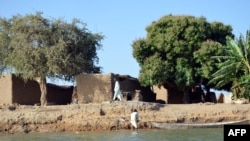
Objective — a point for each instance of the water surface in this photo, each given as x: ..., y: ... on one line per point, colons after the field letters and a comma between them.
x: 203, y: 134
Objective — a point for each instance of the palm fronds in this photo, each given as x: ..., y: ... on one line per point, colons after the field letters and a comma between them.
x: 234, y: 67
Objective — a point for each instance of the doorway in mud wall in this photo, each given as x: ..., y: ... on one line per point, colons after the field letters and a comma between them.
x: 127, y: 96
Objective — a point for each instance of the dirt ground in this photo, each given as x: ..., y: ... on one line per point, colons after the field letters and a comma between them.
x: 19, y: 119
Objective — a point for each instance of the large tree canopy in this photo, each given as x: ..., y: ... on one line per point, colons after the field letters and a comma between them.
x: 36, y: 47
x: 178, y: 49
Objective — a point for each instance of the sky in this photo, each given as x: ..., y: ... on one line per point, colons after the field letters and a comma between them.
x: 124, y: 21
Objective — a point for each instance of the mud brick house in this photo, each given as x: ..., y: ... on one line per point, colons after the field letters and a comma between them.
x: 99, y: 88
x: 167, y: 96
x: 94, y: 87
x: 91, y: 88
x: 15, y: 90
x: 161, y: 94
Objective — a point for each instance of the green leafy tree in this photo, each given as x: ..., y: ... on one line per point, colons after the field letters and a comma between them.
x: 177, y: 49
x: 38, y: 47
x: 234, y: 67
x: 4, y: 41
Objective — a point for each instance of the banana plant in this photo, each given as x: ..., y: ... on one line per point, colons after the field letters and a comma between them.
x: 234, y: 67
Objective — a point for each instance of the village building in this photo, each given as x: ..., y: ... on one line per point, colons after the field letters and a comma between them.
x: 91, y: 88
x: 100, y: 87
x: 13, y: 90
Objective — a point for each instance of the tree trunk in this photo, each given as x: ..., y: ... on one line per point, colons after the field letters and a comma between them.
x: 43, y: 88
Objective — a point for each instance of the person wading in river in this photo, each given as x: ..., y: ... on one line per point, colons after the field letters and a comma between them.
x: 134, y: 118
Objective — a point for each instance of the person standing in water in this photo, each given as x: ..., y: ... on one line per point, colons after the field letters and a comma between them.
x: 134, y: 118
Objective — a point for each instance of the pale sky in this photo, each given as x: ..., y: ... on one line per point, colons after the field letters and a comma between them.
x: 123, y: 21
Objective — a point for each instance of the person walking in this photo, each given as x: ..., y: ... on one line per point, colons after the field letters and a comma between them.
x: 117, y: 91
x: 134, y: 119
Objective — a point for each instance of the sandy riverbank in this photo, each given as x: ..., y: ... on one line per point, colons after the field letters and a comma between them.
x: 104, y: 116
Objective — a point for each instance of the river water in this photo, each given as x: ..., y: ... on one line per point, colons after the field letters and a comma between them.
x: 202, y: 134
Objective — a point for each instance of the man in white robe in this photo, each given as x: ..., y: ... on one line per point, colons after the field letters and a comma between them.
x: 134, y: 118
x: 117, y: 91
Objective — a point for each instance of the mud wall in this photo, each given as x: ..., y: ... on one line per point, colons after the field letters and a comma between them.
x: 94, y: 87
x: 161, y: 94
x: 14, y: 90
x: 128, y: 87
x: 5, y: 89
x: 25, y: 93
x: 100, y: 87
x: 129, y: 84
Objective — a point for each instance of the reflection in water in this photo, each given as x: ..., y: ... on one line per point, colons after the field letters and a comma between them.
x: 204, y: 134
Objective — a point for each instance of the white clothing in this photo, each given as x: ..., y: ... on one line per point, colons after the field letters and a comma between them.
x: 117, y: 91
x: 134, y: 119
